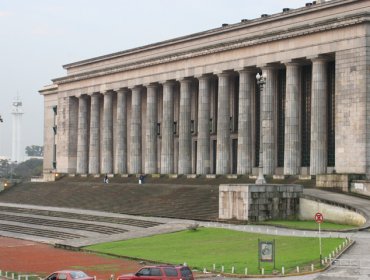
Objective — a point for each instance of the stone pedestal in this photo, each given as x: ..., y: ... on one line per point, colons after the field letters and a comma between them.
x: 259, y: 202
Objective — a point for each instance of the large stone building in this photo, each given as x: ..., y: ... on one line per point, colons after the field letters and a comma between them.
x: 192, y: 105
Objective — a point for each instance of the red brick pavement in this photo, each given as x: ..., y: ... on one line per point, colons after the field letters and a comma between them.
x: 23, y: 256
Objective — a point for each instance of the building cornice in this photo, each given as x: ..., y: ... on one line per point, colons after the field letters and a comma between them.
x: 216, y: 31
x: 49, y: 89
x: 297, y: 31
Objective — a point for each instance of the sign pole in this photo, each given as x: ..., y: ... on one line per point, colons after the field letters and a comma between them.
x: 320, y: 244
x: 319, y: 218
x: 259, y: 254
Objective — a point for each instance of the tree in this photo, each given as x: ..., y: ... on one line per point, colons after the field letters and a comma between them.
x: 27, y: 169
x: 4, y: 167
x: 35, y: 151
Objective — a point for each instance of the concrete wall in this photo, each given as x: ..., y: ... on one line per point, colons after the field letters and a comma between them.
x: 338, y: 181
x: 361, y: 187
x: 308, y: 209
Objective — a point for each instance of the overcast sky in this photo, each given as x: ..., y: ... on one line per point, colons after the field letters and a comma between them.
x: 37, y: 37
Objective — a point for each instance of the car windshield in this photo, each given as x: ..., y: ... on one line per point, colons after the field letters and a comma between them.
x: 78, y: 274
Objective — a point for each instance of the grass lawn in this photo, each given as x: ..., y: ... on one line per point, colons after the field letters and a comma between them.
x: 207, y: 246
x: 311, y: 225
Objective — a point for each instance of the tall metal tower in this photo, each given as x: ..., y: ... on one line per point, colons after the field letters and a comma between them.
x: 17, y: 151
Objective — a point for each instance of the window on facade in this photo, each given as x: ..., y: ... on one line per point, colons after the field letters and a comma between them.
x: 331, y: 114
x: 281, y: 117
x: 175, y: 128
x: 257, y: 124
x: 158, y: 129
x: 306, y: 78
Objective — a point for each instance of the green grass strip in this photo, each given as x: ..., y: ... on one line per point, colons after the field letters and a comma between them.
x: 207, y: 246
x: 309, y: 225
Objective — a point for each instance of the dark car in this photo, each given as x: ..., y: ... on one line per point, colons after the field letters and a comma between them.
x: 160, y: 272
x: 69, y: 275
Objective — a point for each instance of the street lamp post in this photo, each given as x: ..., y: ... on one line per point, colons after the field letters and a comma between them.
x: 261, y: 81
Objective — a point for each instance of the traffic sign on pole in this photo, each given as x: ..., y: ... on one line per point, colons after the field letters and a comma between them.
x: 319, y: 218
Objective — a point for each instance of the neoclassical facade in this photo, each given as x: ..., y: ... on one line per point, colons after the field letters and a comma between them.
x: 192, y: 105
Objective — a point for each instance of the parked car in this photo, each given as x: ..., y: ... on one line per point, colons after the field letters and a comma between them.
x: 69, y: 275
x: 160, y: 272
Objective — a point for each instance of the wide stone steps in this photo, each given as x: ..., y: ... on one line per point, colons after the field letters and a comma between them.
x: 82, y: 217
x: 46, y: 233
x: 197, y: 202
x: 61, y: 224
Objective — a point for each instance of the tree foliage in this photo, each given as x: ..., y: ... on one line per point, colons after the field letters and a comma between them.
x: 29, y: 168
x: 23, y: 170
x: 35, y: 151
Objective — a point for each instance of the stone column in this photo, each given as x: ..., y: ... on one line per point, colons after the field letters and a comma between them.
x: 184, y: 127
x: 94, y: 148
x: 223, y: 125
x: 292, y: 137
x: 318, y: 155
x: 151, y: 130
x: 167, y: 152
x: 107, y: 149
x: 82, y: 136
x: 135, y: 147
x: 246, y: 91
x: 120, y: 157
x: 203, y: 144
x: 268, y: 121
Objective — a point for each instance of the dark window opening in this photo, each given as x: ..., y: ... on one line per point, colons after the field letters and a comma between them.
x: 158, y: 129
x: 306, y: 76
x: 331, y: 114
x: 257, y: 124
x: 175, y: 128
x: 281, y: 117
x: 192, y: 126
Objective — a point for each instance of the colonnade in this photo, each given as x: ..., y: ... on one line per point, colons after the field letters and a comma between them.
x: 103, y: 129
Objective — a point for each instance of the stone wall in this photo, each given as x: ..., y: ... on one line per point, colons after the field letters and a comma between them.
x: 360, y: 187
x: 338, y: 181
x: 259, y: 202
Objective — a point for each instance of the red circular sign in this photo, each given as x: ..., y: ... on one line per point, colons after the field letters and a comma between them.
x: 319, y: 218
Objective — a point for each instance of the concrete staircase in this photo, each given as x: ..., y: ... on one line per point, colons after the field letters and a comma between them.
x: 159, y: 200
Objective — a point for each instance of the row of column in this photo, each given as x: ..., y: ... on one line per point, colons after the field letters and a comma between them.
x: 115, y: 157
